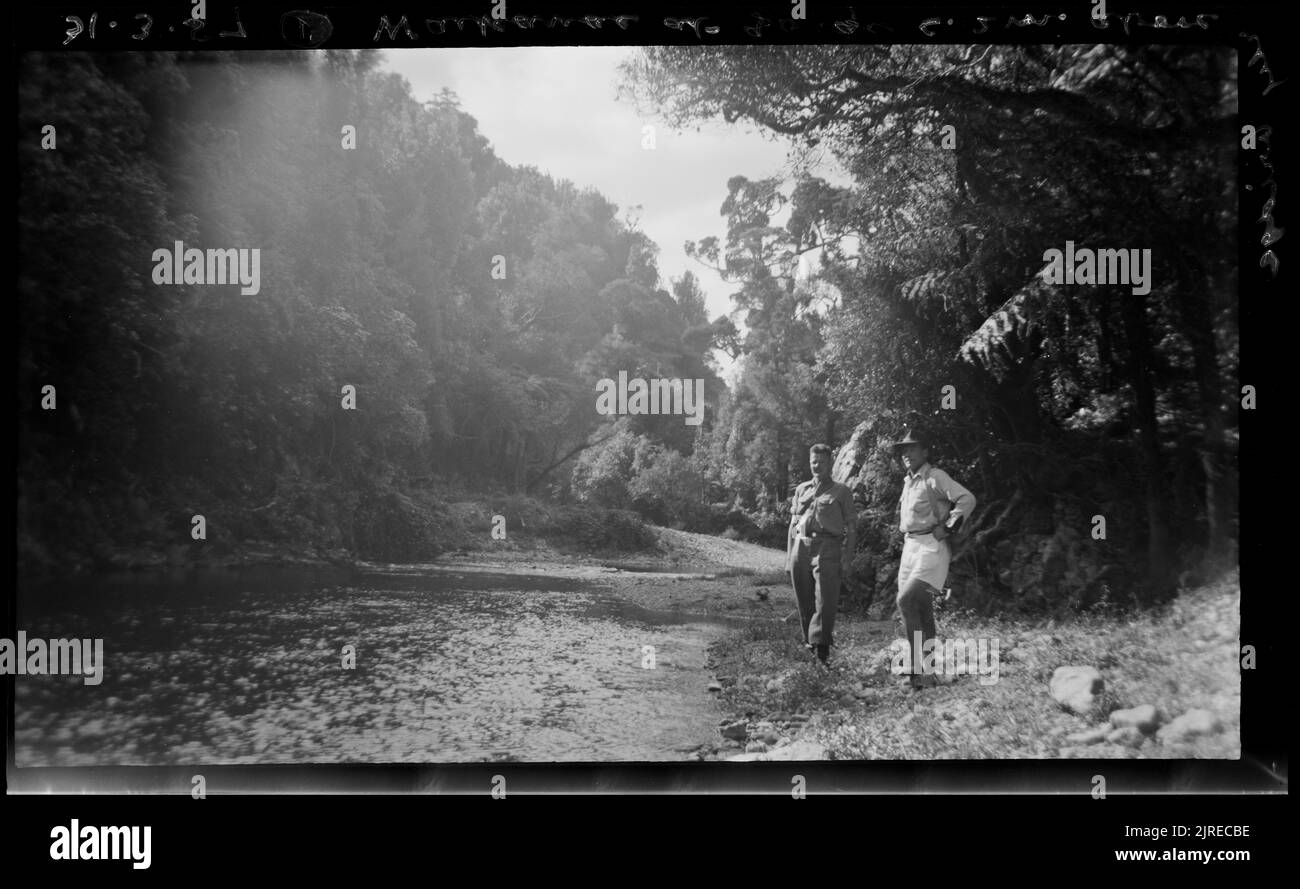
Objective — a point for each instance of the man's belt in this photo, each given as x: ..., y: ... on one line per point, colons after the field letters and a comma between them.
x: 929, y: 530
x: 822, y: 534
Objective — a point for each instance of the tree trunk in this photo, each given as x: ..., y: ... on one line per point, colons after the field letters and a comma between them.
x: 782, y: 469
x: 1209, y: 387
x: 1159, y: 562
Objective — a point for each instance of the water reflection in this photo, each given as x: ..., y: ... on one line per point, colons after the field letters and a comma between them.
x: 247, y: 668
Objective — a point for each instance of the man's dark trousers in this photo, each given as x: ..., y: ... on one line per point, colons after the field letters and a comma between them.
x: 815, y: 573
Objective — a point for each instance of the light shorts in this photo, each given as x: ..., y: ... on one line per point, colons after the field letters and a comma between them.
x: 924, y: 558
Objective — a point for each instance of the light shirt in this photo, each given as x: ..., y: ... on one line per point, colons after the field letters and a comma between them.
x: 929, y: 489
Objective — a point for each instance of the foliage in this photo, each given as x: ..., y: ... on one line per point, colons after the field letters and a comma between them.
x: 933, y: 250
x: 376, y: 272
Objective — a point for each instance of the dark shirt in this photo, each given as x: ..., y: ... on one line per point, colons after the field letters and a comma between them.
x: 826, y: 507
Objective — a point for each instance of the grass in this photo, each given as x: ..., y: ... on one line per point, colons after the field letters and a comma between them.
x: 1180, y: 657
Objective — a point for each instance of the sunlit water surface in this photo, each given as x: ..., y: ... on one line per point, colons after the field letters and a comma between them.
x: 247, y: 667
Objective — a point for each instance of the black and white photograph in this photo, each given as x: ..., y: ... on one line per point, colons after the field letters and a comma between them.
x: 620, y: 404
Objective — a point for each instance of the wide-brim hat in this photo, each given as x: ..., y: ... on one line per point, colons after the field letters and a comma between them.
x: 911, y: 437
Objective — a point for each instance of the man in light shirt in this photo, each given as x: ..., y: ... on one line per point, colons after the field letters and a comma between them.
x: 930, y: 510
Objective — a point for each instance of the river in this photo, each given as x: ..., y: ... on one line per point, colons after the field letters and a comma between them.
x: 248, y: 667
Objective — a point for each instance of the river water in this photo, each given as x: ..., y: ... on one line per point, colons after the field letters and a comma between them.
x: 248, y: 667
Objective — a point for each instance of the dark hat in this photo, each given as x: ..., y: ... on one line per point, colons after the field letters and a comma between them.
x: 911, y: 437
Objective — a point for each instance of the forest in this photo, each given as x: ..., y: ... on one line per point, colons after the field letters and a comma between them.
x: 431, y: 324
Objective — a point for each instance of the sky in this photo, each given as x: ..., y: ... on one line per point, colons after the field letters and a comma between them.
x: 556, y: 108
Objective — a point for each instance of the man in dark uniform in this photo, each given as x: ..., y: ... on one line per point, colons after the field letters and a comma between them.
x: 819, y: 548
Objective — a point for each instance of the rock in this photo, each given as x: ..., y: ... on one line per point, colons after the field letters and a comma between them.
x: 1075, y: 688
x: 784, y: 742
x: 715, y: 685
x: 774, y: 686
x: 1190, y: 724
x: 729, y: 744
x: 1091, y: 736
x: 770, y: 738
x: 755, y: 747
x: 1128, y: 736
x: 736, y: 731
x: 797, y: 751
x: 1143, y: 718
x: 847, y: 700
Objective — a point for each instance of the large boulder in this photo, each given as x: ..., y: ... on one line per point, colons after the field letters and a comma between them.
x: 1076, y: 688
x: 852, y: 458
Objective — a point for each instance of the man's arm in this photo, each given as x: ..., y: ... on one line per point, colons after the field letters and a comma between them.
x: 794, y: 521
x: 962, y: 500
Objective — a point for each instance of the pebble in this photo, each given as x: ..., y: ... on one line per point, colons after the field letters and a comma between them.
x: 1143, y: 718
x: 1128, y: 736
x: 1190, y: 724
x: 1091, y: 736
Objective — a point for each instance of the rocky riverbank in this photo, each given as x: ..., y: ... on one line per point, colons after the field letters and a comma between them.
x: 1162, y: 684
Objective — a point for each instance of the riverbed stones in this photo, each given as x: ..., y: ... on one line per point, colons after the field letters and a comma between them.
x: 1189, y: 725
x: 796, y: 751
x: 1076, y: 688
x: 1090, y: 736
x: 1128, y: 736
x: 778, y: 683
x: 736, y: 731
x: 755, y: 746
x: 1144, y: 718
